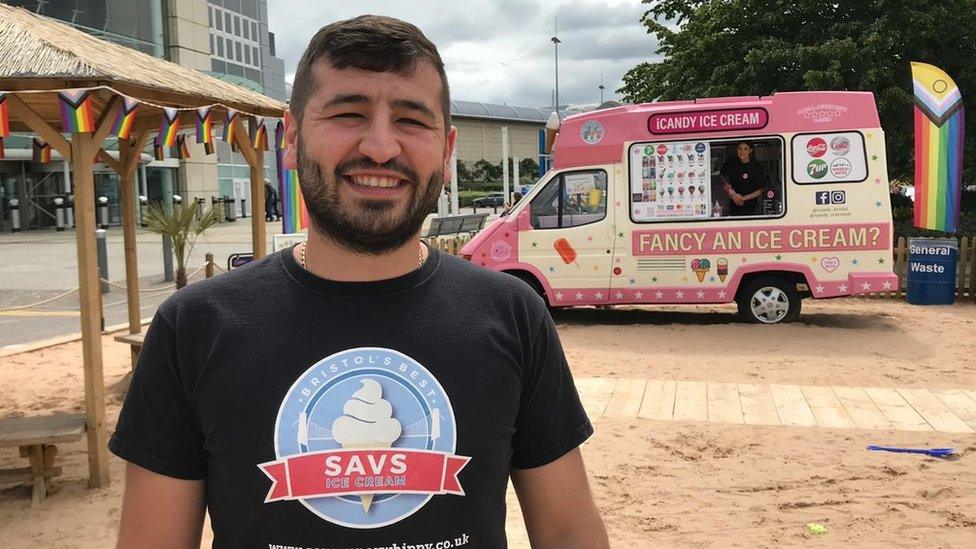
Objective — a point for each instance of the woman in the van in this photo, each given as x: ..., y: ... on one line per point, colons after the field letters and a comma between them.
x: 744, y: 180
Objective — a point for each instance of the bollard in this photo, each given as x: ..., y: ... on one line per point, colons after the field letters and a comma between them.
x: 243, y: 207
x: 200, y: 206
x: 474, y: 208
x: 69, y: 212
x: 15, y: 214
x: 143, y: 202
x: 103, y: 210
x: 102, y: 259
x: 59, y: 213
x: 177, y: 199
x: 218, y: 203
x: 210, y: 265
x: 230, y: 208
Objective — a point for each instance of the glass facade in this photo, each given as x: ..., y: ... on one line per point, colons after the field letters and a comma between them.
x: 136, y: 24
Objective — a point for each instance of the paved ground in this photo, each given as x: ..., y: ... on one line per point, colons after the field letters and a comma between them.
x: 40, y: 265
x: 900, y: 409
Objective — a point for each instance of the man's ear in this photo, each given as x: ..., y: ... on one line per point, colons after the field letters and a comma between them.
x: 291, y: 145
x: 449, y: 145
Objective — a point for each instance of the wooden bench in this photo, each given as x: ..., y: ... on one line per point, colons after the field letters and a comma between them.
x: 35, y: 436
x: 135, y: 344
x: 456, y: 224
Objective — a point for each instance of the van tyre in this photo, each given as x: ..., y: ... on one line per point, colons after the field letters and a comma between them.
x: 769, y: 300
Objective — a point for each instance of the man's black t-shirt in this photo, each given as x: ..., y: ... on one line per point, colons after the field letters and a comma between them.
x: 327, y: 414
x: 745, y: 179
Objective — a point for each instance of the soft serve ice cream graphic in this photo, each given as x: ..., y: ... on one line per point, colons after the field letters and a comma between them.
x: 366, y: 422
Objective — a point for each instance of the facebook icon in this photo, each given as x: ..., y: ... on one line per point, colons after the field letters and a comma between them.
x: 823, y: 198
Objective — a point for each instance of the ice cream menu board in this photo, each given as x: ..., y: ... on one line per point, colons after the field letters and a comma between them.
x: 670, y: 180
x: 829, y: 158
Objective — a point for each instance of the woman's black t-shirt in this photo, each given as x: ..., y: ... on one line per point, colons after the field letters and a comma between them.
x: 745, y: 179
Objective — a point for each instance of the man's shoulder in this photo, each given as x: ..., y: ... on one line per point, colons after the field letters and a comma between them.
x: 487, y: 283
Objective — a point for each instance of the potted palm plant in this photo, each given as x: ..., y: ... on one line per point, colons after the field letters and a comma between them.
x: 183, y: 227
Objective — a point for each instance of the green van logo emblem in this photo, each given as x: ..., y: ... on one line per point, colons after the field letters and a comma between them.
x: 817, y: 168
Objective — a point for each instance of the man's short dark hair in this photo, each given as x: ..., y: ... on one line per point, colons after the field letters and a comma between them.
x: 368, y: 42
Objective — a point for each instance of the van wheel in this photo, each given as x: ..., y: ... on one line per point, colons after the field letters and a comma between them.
x: 769, y: 300
x: 534, y: 284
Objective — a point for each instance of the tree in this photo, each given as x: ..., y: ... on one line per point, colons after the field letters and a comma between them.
x: 486, y: 172
x: 184, y: 228
x: 757, y: 47
x: 528, y: 169
x: 464, y: 174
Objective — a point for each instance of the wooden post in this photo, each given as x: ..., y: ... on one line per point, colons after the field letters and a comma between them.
x: 255, y: 159
x: 129, y: 151
x: 210, y: 265
x: 258, y: 230
x: 83, y: 150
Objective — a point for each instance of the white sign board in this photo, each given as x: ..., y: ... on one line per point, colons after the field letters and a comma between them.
x: 282, y: 241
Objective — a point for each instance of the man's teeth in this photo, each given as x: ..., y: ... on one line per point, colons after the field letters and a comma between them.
x: 373, y: 181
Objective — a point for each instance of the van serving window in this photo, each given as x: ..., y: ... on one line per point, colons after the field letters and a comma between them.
x: 701, y: 179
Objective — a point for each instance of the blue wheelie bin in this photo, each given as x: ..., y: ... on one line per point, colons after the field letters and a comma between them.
x: 932, y: 271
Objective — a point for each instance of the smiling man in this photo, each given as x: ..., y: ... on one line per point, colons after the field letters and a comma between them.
x: 362, y: 389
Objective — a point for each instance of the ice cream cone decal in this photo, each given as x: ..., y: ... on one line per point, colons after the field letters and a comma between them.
x: 723, y: 268
x: 701, y: 267
x: 366, y: 422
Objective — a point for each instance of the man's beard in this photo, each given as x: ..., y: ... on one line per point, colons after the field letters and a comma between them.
x: 373, y: 227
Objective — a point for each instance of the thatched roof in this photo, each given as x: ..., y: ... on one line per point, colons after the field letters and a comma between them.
x: 38, y: 53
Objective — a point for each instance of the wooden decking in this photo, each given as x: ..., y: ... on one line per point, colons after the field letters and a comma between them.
x: 835, y: 407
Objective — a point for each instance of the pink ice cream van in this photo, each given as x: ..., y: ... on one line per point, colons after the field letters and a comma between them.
x: 758, y: 200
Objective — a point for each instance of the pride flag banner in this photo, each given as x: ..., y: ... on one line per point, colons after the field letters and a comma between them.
x: 939, y: 128
x: 122, y: 126
x: 77, y: 114
x: 205, y: 128
x: 294, y: 216
x: 182, y: 150
x: 259, y: 133
x: 42, y: 151
x: 229, y: 125
x: 168, y: 128
x: 158, y: 152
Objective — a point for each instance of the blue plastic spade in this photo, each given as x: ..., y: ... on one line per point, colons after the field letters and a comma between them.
x: 934, y: 452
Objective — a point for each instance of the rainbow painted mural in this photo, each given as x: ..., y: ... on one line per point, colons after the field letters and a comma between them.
x: 939, y: 129
x: 294, y: 216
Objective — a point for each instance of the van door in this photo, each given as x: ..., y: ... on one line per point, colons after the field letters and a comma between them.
x: 571, y: 240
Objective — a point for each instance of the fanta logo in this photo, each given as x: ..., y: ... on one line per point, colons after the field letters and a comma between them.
x: 816, y: 147
x: 840, y: 145
x: 817, y: 169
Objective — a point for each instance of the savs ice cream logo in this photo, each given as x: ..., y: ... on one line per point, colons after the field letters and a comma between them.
x: 365, y: 438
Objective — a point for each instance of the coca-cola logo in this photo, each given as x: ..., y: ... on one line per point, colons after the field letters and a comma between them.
x: 662, y: 149
x: 840, y: 145
x: 816, y: 147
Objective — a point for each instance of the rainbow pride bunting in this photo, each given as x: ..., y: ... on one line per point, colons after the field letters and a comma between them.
x: 4, y: 116
x: 205, y: 129
x: 939, y: 128
x: 229, y: 125
x: 294, y: 216
x: 42, y: 150
x: 182, y: 150
x: 122, y: 127
x: 168, y: 127
x: 259, y: 133
x: 3, y: 153
x: 158, y: 152
x: 77, y: 114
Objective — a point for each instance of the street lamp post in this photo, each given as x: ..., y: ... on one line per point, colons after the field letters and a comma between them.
x: 555, y: 42
x: 601, y: 93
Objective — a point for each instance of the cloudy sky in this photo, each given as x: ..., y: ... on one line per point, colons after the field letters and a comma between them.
x: 497, y: 51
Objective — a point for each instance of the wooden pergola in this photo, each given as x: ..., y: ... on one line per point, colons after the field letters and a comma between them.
x: 38, y: 58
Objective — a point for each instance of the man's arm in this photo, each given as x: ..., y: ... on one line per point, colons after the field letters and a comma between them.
x: 558, y: 507
x: 160, y: 512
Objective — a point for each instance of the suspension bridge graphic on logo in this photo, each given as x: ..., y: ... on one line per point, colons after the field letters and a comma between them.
x: 428, y: 427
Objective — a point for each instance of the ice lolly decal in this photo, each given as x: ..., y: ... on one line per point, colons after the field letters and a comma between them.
x: 565, y: 251
x: 367, y: 422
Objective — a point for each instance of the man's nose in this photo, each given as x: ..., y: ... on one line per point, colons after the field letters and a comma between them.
x: 380, y: 142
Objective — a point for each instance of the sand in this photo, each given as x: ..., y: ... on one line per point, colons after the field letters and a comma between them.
x: 657, y: 484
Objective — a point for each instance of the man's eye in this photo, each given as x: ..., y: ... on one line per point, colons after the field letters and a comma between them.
x: 412, y: 122
x: 347, y: 115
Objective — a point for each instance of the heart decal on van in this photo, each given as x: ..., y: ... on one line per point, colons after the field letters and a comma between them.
x: 830, y: 264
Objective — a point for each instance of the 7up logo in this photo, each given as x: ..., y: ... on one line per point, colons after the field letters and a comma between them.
x: 817, y: 168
